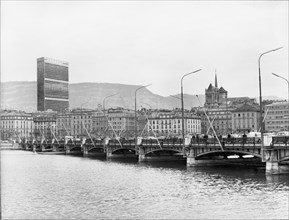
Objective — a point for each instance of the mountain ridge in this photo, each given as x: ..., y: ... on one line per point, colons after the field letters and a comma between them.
x: 22, y: 95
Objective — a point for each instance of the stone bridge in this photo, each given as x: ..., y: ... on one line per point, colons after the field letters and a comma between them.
x: 160, y: 149
x: 117, y: 148
x: 73, y: 146
x: 94, y: 147
x: 204, y: 152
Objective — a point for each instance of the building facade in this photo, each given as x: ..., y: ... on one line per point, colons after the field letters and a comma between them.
x: 166, y: 122
x: 116, y: 121
x: 15, y: 125
x: 277, y: 117
x: 81, y: 122
x: 63, y: 125
x: 44, y: 125
x: 246, y: 118
x: 221, y: 120
x: 52, y: 85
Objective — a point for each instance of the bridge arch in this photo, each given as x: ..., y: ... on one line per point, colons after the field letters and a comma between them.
x: 94, y: 149
x: 227, y: 153
x: 163, y: 152
x: 75, y: 148
x: 124, y: 151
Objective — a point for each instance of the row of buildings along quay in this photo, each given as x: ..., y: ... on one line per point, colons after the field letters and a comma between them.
x: 203, y: 135
x: 54, y: 118
x: 234, y: 118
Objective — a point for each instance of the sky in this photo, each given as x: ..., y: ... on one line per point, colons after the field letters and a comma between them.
x: 151, y: 42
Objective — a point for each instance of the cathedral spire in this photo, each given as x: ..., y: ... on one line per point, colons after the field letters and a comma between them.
x: 216, y: 81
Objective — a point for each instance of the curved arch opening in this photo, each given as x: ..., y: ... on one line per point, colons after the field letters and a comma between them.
x: 230, y: 155
x: 160, y: 153
x: 124, y: 151
x: 96, y: 150
x: 75, y: 149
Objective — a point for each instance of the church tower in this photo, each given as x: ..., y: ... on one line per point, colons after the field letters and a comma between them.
x: 215, y: 96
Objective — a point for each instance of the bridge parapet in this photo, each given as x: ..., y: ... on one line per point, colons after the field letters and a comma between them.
x: 94, y: 144
x: 226, y: 141
x: 73, y: 145
x: 280, y: 141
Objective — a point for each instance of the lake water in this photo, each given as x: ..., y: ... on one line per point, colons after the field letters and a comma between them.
x: 35, y: 186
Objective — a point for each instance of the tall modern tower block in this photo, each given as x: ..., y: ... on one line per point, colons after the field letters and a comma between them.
x: 52, y: 85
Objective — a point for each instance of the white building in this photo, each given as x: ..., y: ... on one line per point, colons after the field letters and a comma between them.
x: 15, y: 125
x: 170, y: 122
x: 277, y: 117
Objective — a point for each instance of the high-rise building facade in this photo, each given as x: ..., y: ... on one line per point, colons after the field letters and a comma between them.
x: 52, y: 85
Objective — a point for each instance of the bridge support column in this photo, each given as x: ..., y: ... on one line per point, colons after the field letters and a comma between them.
x: 273, y: 165
x: 109, y: 152
x: 85, y: 150
x: 141, y: 155
x: 67, y: 149
x: 54, y: 148
x: 191, y: 158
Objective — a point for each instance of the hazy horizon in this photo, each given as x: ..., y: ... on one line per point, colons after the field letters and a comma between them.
x: 143, y: 42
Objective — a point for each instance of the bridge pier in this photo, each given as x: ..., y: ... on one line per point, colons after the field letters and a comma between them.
x: 273, y: 164
x: 67, y: 149
x: 54, y: 148
x: 85, y: 150
x: 141, y: 155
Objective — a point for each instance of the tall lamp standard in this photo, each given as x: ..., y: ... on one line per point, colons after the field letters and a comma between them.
x: 182, y: 99
x: 103, y: 102
x: 261, y: 110
x: 81, y: 115
x: 103, y: 106
x: 135, y: 114
x: 288, y: 91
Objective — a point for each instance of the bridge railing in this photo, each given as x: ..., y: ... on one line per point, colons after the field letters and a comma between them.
x: 113, y: 142
x: 96, y: 142
x: 280, y: 140
x: 164, y: 142
x: 149, y: 142
x: 129, y: 143
x: 242, y: 141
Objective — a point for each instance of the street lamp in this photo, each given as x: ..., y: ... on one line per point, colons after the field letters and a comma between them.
x: 182, y: 99
x: 103, y: 106
x: 286, y: 81
x: 260, y: 92
x: 81, y: 118
x: 135, y: 115
x: 103, y: 102
x: 288, y: 91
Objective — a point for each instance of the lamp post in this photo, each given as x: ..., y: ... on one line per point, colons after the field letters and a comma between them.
x: 81, y: 115
x: 103, y: 106
x: 286, y: 81
x: 260, y: 92
x: 182, y: 99
x: 103, y: 102
x: 135, y: 113
x: 288, y: 92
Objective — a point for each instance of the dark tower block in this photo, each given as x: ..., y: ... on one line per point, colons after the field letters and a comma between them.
x: 52, y: 85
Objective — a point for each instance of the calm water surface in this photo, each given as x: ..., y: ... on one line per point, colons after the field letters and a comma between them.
x: 35, y: 186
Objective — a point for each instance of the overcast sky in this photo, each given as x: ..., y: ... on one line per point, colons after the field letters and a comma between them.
x: 142, y: 42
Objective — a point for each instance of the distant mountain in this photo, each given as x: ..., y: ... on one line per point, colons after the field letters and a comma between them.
x: 23, y: 96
